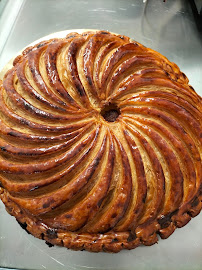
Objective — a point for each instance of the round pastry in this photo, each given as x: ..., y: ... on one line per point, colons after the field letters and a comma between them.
x: 100, y: 143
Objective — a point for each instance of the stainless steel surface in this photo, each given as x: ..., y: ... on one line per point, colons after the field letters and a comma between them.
x: 198, y: 5
x: 10, y: 10
x: 2, y: 6
x: 166, y: 27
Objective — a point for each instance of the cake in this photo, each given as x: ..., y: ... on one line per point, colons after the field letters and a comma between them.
x: 100, y: 143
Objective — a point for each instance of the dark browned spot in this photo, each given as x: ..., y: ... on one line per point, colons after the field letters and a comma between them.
x: 136, y: 44
x: 110, y: 112
x: 46, y: 205
x: 41, y: 44
x: 195, y: 202
x: 164, y: 221
x: 52, y: 233
x: 89, y: 80
x: 131, y: 237
x: 80, y: 89
x: 144, y: 199
x: 114, y: 215
x: 99, y: 202
x: 3, y: 148
x: 115, y: 240
x: 32, y: 70
x: 136, y: 211
x: 167, y: 74
x: 68, y: 216
x: 12, y: 133
x: 184, y: 76
x: 42, y: 236
x: 104, y: 33
x: 96, y: 162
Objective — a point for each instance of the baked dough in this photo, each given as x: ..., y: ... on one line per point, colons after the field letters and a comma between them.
x: 100, y: 143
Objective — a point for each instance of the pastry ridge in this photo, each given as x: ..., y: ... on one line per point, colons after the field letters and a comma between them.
x: 100, y: 143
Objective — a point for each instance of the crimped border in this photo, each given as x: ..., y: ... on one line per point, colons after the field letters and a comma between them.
x: 107, y: 242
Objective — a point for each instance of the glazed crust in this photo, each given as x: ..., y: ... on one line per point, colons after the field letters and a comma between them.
x: 101, y: 143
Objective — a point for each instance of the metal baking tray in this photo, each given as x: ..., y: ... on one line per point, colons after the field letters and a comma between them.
x: 168, y: 27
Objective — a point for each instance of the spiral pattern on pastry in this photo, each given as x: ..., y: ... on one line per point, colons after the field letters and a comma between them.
x: 101, y: 143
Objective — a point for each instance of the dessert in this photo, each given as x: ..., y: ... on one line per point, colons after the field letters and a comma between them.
x: 100, y: 143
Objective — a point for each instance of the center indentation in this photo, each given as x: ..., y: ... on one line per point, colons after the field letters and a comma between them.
x: 110, y: 112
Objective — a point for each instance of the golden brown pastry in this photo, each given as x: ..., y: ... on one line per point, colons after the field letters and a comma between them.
x: 101, y: 143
